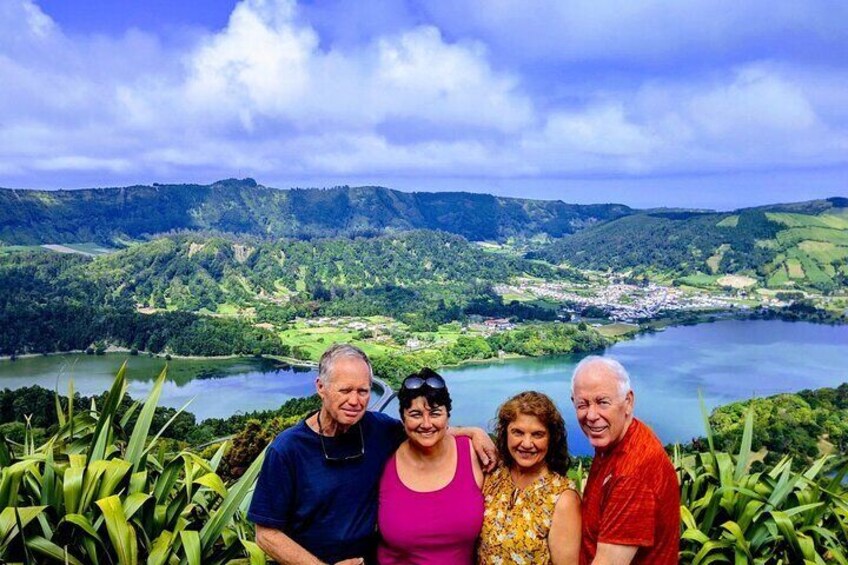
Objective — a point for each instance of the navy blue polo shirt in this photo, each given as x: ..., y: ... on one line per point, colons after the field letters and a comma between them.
x: 328, y: 507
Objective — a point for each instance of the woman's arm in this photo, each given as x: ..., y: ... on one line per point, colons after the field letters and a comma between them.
x: 485, y: 448
x: 564, y: 537
x: 475, y: 465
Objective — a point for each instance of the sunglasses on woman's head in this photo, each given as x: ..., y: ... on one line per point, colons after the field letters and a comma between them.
x: 429, y: 379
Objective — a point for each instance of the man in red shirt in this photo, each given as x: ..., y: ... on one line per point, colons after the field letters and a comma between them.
x: 631, y: 503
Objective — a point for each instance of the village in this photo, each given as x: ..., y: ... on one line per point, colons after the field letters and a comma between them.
x: 619, y: 301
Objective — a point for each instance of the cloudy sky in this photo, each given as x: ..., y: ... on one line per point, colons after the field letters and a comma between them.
x: 702, y: 103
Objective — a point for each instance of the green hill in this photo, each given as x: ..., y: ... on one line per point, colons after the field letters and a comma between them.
x: 180, y: 291
x: 106, y: 215
x: 803, y: 245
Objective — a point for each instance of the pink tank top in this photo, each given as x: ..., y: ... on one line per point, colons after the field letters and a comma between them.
x: 439, y: 527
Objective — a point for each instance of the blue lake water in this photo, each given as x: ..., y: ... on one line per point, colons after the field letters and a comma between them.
x: 726, y: 361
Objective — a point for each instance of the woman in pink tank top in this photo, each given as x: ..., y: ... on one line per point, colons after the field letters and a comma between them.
x: 431, y: 504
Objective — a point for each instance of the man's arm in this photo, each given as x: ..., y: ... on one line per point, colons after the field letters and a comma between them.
x: 485, y: 448
x: 611, y: 554
x: 285, y: 551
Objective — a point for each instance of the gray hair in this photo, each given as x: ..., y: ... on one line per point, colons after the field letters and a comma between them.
x: 614, y: 366
x: 340, y: 351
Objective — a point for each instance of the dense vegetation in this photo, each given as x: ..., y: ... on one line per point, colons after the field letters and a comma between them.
x: 49, y: 302
x: 101, y: 490
x: 53, y: 302
x: 667, y: 241
x: 735, y: 509
x: 801, y: 425
x: 801, y: 245
x: 243, y: 207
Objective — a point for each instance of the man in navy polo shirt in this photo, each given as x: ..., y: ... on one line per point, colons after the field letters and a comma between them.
x: 316, y: 496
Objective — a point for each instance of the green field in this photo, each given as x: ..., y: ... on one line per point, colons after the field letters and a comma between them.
x: 794, y: 268
x: 729, y: 222
x: 617, y: 330
x: 793, y: 236
x: 778, y: 278
x: 313, y: 340
x: 836, y: 221
x: 812, y: 270
x: 228, y: 309
x: 715, y: 260
x: 824, y: 252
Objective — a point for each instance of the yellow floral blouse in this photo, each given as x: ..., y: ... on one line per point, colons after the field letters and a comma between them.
x: 517, y: 521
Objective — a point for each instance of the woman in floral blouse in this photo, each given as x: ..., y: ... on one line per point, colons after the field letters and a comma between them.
x: 532, y: 510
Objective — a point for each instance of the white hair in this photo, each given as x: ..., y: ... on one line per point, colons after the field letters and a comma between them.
x: 617, y: 369
x: 340, y: 351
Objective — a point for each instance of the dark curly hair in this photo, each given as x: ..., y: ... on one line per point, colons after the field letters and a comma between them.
x: 433, y: 396
x: 532, y: 403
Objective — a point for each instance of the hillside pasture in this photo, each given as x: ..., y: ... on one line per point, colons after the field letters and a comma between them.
x: 794, y: 268
x: 814, y: 272
x: 714, y: 261
x: 824, y: 252
x: 729, y: 222
x: 835, y: 221
x: 794, y: 236
x: 778, y: 278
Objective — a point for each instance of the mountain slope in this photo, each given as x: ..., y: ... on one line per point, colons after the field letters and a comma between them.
x: 243, y: 207
x: 782, y: 246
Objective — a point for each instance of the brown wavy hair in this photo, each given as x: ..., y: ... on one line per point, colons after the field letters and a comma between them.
x: 532, y: 403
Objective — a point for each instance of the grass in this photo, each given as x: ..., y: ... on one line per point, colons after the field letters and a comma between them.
x: 228, y: 309
x: 778, y: 278
x: 824, y: 252
x: 617, y: 330
x: 729, y: 222
x: 814, y: 272
x: 312, y: 341
x: 509, y: 297
x: 715, y: 260
x: 794, y: 268
x: 834, y: 221
x: 793, y: 236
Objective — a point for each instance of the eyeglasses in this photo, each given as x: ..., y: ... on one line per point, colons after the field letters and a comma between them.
x: 422, y: 378
x: 328, y: 457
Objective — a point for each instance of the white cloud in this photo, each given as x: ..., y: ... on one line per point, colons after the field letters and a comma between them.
x: 268, y: 96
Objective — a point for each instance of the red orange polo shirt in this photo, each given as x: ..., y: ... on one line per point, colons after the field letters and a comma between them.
x: 632, y: 497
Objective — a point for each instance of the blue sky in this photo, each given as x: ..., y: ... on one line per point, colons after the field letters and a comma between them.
x: 698, y: 103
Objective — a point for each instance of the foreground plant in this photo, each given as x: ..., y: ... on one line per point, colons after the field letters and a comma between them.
x: 93, y: 494
x: 776, y: 515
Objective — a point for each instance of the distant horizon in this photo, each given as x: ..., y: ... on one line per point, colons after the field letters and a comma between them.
x: 702, y: 104
x: 580, y: 198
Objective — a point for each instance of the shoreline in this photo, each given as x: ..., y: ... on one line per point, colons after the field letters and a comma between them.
x: 647, y: 326
x: 116, y: 350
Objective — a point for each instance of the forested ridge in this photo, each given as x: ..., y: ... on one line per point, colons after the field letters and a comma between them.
x: 106, y: 215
